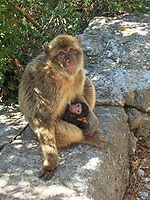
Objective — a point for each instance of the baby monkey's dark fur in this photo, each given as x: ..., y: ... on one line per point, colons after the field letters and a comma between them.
x: 78, y: 119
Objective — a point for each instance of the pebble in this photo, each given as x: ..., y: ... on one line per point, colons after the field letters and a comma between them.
x: 143, y: 195
x: 147, y: 186
x: 141, y: 172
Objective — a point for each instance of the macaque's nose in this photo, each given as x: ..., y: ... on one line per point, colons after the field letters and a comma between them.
x: 67, y: 58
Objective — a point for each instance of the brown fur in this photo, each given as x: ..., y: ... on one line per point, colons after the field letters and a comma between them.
x: 44, y: 92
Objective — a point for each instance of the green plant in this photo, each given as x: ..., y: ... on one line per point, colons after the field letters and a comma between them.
x: 27, y: 26
x: 130, y: 6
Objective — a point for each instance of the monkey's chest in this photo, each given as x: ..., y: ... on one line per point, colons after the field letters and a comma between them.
x: 68, y: 94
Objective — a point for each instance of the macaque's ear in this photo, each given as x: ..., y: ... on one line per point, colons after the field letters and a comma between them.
x: 79, y: 41
x: 47, y: 50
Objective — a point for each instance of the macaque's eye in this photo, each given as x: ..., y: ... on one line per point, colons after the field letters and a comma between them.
x: 78, y: 105
x: 78, y: 108
x: 78, y: 111
x: 72, y: 51
x: 61, y: 53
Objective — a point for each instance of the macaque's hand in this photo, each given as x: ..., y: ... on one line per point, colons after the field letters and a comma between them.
x: 92, y: 124
x: 46, y: 175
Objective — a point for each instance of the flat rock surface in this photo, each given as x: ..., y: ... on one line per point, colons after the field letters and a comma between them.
x: 84, y: 172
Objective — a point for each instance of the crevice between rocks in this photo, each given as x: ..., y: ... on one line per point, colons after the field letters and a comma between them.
x: 126, y: 106
x: 14, y: 138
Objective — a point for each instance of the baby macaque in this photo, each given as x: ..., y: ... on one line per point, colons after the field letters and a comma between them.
x: 76, y: 113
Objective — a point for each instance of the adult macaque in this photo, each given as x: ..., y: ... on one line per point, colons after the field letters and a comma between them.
x: 50, y: 81
x: 77, y: 114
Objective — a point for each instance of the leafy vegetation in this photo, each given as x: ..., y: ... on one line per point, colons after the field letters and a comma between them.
x: 28, y: 25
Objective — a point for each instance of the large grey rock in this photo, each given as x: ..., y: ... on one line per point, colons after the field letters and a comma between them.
x: 84, y: 172
x: 119, y: 68
x: 137, y: 119
x: 117, y: 59
x: 111, y: 177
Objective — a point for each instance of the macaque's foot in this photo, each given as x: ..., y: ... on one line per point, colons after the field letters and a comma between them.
x: 97, y: 140
x: 92, y: 125
x: 85, y: 130
x: 46, y: 175
x: 89, y: 130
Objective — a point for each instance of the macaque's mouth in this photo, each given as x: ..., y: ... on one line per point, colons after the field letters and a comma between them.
x: 70, y: 67
x: 71, y: 70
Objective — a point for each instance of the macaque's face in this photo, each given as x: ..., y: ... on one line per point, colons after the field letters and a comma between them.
x: 66, y: 54
x: 67, y: 58
x: 76, y: 109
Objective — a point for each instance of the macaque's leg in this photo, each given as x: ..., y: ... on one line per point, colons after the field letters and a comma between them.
x: 67, y: 133
x: 46, y: 136
x: 97, y: 140
x: 89, y: 93
x: 93, y: 124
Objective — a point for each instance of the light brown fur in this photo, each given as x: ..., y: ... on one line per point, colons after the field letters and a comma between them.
x: 44, y: 92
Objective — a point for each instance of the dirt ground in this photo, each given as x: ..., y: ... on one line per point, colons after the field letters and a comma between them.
x: 139, y: 187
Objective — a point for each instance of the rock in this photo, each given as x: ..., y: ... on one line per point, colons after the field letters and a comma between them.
x: 84, y: 172
x: 141, y: 172
x: 147, y: 186
x: 137, y: 119
x: 143, y: 195
x: 111, y: 176
x: 139, y: 99
x: 119, y: 65
x: 147, y: 180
